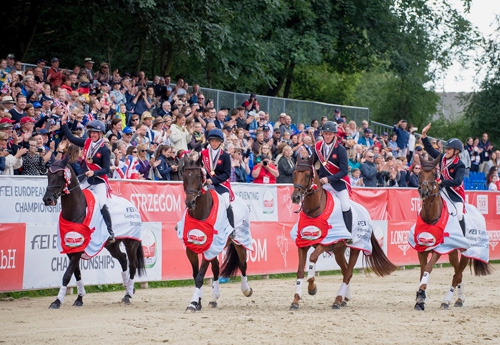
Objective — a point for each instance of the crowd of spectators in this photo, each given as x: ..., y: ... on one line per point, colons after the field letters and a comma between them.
x: 151, y: 125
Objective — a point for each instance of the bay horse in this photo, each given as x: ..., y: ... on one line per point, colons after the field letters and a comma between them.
x: 312, y: 198
x: 433, y: 210
x: 74, y: 209
x: 199, y: 203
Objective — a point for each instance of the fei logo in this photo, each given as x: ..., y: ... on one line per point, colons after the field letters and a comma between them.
x: 196, y: 236
x: 310, y: 233
x: 482, y: 204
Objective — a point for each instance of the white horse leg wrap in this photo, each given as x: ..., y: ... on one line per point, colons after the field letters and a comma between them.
x: 425, y: 278
x: 311, y: 271
x: 342, y: 290
x: 298, y: 287
x: 130, y: 288
x: 196, y: 295
x: 244, y: 283
x: 80, y: 288
x: 215, y: 290
x: 125, y: 276
x: 62, y: 293
x: 348, y: 291
x: 460, y: 291
x: 449, y: 295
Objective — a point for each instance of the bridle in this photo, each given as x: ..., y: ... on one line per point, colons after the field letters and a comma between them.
x: 433, y: 187
x: 61, y: 187
x: 200, y: 190
x: 306, y: 191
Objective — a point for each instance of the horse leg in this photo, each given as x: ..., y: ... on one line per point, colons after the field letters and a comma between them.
x: 300, y: 277
x: 74, y: 261
x: 425, y: 271
x: 347, y: 271
x: 131, y: 247
x: 459, y: 265
x: 114, y: 250
x: 215, y: 284
x: 195, y: 304
x: 460, y: 295
x: 242, y: 265
x: 312, y: 289
x: 79, y: 287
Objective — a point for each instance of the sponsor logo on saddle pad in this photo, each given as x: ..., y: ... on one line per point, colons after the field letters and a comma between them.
x: 196, y: 236
x: 426, y: 239
x: 73, y: 239
x: 310, y: 233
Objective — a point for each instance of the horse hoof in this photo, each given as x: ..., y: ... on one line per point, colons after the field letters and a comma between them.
x: 444, y: 306
x: 126, y: 299
x: 212, y: 304
x: 313, y: 291
x: 343, y: 304
x: 77, y: 303
x: 294, y: 306
x: 190, y: 309
x: 459, y: 304
x: 419, y: 306
x: 55, y: 305
x: 248, y: 292
x: 335, y: 306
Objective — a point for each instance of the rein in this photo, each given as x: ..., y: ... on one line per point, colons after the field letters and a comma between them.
x: 307, y: 191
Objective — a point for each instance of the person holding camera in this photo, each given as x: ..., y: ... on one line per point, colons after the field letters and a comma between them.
x: 33, y: 160
x: 264, y: 170
x: 9, y: 161
x: 251, y: 104
x: 217, y: 163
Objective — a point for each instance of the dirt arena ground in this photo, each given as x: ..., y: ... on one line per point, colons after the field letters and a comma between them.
x: 381, y: 312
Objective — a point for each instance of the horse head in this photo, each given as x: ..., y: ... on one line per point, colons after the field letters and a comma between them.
x: 428, y: 185
x: 59, y: 177
x: 193, y: 179
x: 303, y: 177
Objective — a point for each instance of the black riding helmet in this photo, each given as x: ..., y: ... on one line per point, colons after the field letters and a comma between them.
x: 455, y: 143
x: 330, y: 127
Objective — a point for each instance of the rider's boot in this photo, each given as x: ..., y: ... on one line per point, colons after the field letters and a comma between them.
x: 347, y: 215
x: 230, y: 217
x: 107, y: 220
x: 462, y: 225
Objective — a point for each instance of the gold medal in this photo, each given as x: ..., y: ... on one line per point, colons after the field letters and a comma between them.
x: 89, y: 160
x: 212, y: 173
x: 324, y: 163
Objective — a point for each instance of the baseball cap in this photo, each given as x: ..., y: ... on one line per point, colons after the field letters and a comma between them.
x: 42, y: 131
x: 11, y: 56
x: 46, y: 98
x: 277, y: 129
x: 26, y: 119
x: 37, y: 105
x: 54, y: 59
x: 127, y: 130
x: 384, y: 133
x: 87, y: 59
x: 367, y: 130
x: 266, y: 128
x: 337, y: 110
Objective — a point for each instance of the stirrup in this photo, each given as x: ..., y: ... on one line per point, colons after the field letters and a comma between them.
x: 111, y: 238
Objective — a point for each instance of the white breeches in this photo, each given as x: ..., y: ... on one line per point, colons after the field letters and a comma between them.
x: 99, y: 190
x: 224, y: 200
x: 460, y: 210
x: 343, y: 196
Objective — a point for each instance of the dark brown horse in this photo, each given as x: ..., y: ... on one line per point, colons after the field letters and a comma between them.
x: 199, y: 203
x: 432, y: 207
x: 73, y: 209
x: 309, y: 193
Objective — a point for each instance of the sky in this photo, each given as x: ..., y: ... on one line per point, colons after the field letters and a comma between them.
x: 481, y: 15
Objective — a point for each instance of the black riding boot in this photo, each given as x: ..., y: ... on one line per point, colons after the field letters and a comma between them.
x: 347, y: 215
x: 230, y: 217
x: 462, y: 225
x: 107, y: 220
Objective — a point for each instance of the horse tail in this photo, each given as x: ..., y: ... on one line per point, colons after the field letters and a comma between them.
x: 378, y: 261
x: 481, y: 268
x: 141, y: 267
x: 231, y: 261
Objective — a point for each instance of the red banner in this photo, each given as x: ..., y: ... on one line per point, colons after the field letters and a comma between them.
x: 12, y: 244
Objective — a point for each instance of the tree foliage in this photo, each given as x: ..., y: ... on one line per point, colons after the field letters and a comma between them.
x: 309, y: 49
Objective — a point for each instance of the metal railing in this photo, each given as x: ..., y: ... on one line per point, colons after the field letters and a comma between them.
x: 300, y: 111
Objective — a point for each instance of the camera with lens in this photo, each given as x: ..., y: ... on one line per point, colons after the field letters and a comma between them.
x: 39, y: 149
x: 264, y: 163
